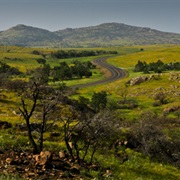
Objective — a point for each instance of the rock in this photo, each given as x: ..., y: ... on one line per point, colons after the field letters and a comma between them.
x: 43, y: 158
x: 138, y: 80
x: 71, y: 144
x: 9, y: 160
x: 14, y: 112
x: 62, y: 154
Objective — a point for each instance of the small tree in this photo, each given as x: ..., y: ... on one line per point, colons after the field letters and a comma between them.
x: 99, y: 100
x: 91, y: 134
x: 40, y: 102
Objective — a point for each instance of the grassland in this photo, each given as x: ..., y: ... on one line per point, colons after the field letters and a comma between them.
x: 138, y: 166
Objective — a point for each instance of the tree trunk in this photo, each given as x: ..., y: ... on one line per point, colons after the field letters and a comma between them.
x: 31, y: 139
x: 69, y: 148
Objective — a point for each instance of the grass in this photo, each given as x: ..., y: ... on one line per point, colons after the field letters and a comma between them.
x: 10, y: 177
x: 137, y: 166
x: 150, y: 54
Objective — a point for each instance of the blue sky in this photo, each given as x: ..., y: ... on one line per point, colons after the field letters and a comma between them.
x: 59, y: 14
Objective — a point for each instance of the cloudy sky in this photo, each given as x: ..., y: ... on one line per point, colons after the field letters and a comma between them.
x: 59, y: 14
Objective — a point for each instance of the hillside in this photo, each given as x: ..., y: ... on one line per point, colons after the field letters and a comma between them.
x: 22, y: 35
x: 116, y: 130
x: 108, y: 34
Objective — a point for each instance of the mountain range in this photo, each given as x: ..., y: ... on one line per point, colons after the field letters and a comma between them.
x: 107, y: 34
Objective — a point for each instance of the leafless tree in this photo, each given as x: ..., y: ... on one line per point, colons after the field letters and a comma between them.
x: 40, y: 103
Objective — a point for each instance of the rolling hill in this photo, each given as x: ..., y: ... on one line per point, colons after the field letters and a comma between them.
x: 22, y: 35
x: 107, y: 34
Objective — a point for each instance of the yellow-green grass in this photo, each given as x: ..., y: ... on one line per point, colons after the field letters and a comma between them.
x: 166, y: 53
x: 150, y: 54
x: 136, y: 167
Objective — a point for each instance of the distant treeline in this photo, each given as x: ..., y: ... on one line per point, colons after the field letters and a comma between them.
x: 157, y: 67
x: 61, y: 54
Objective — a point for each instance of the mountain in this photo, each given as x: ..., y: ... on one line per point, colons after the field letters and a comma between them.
x: 107, y: 34
x: 28, y: 36
x: 116, y: 34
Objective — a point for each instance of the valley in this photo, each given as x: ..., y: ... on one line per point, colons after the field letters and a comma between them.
x: 68, y: 115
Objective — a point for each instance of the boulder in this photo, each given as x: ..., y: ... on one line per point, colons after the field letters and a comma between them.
x: 43, y: 158
x: 138, y: 80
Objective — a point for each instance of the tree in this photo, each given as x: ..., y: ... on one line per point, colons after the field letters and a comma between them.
x: 5, y: 68
x: 41, y: 74
x: 140, y: 66
x: 38, y: 102
x: 93, y: 133
x: 62, y: 72
x: 99, y: 100
x: 41, y: 61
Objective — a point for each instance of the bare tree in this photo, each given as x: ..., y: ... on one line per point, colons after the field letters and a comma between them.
x: 90, y: 134
x: 42, y: 102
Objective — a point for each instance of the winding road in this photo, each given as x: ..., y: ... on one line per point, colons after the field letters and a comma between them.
x: 116, y: 73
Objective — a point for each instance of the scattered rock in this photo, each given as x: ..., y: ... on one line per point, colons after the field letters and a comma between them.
x: 175, y: 76
x: 141, y: 79
x: 29, y: 166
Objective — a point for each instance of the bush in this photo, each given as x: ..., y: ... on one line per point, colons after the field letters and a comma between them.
x: 147, y: 137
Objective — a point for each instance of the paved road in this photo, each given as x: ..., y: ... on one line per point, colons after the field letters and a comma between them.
x: 116, y: 73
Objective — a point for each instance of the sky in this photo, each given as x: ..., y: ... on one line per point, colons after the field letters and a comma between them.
x: 55, y: 15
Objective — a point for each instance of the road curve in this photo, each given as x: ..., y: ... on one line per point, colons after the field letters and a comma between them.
x: 116, y: 73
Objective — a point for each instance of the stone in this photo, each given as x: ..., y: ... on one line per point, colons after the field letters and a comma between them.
x: 62, y: 154
x: 9, y: 160
x: 45, y: 157
x: 138, y: 80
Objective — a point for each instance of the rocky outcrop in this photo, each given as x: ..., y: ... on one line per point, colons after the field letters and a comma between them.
x: 45, y: 165
x: 141, y: 79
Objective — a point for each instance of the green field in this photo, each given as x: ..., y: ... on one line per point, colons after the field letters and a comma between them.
x: 130, y: 104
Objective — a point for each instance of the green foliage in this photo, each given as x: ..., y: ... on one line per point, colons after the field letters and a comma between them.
x: 41, y: 74
x: 99, y: 100
x: 10, y: 177
x: 77, y: 70
x: 157, y: 67
x: 41, y: 61
x: 148, y: 137
x: 5, y: 68
x: 156, y: 138
x: 61, y: 54
x: 36, y: 52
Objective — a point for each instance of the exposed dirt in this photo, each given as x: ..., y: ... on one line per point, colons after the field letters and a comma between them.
x: 45, y: 165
